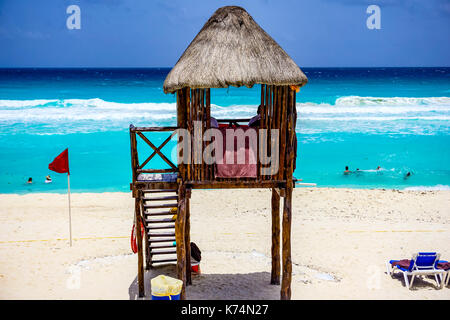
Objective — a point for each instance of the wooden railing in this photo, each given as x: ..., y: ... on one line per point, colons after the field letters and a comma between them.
x: 138, y: 167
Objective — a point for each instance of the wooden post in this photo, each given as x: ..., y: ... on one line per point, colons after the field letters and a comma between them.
x: 182, y: 101
x: 189, y: 127
x: 275, y: 277
x: 287, y: 263
x: 287, y: 210
x: 137, y: 210
x: 180, y: 237
x: 188, y: 238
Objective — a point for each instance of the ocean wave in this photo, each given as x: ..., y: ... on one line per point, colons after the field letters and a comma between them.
x: 361, y: 118
x: 333, y: 109
x: 25, y: 103
x: 391, y: 101
x: 355, y: 114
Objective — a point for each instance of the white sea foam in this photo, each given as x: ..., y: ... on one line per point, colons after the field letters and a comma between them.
x: 428, y: 188
x: 25, y: 103
x: 443, y: 118
x: 394, y: 101
x: 350, y: 113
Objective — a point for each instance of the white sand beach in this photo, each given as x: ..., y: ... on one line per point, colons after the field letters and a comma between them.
x: 341, y: 239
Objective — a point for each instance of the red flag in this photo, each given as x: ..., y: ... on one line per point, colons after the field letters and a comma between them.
x: 61, y: 162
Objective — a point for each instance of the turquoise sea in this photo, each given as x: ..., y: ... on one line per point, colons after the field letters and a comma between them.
x: 395, y: 118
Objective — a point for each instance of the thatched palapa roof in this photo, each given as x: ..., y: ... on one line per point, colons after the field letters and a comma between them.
x: 232, y: 49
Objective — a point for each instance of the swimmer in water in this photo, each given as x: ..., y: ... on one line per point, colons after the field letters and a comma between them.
x: 378, y: 168
x: 407, y: 175
x: 346, y: 170
x: 30, y: 180
x: 48, y: 179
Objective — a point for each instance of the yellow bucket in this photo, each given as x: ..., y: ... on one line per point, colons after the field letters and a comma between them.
x: 166, y: 288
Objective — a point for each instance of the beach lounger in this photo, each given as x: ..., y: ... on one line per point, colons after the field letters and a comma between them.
x: 422, y: 263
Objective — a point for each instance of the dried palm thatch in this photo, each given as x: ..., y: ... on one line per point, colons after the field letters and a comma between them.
x: 232, y: 49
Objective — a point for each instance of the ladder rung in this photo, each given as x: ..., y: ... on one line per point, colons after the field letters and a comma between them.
x: 164, y: 260
x: 172, y: 226
x: 160, y: 213
x: 160, y: 190
x: 161, y: 240
x: 160, y: 198
x: 160, y: 206
x: 163, y: 252
x: 161, y: 234
x: 163, y: 246
x: 159, y: 220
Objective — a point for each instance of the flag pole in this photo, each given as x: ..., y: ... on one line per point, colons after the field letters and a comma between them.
x: 70, y: 217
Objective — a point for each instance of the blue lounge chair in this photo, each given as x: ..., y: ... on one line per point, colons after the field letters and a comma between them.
x: 422, y: 263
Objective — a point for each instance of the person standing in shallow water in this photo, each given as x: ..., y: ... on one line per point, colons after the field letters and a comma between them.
x: 346, y: 170
x: 30, y: 180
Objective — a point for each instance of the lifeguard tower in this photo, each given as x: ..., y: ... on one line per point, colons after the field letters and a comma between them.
x: 230, y: 50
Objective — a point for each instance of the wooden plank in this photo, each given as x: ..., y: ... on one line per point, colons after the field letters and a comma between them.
x: 164, y: 260
x: 134, y: 155
x: 245, y: 120
x: 165, y: 220
x: 203, y: 129
x: 159, y: 191
x: 161, y: 234
x: 160, y: 206
x: 180, y: 238
x: 148, y: 257
x: 154, y: 240
x: 263, y: 125
x: 234, y: 185
x: 151, y: 227
x: 282, y: 143
x: 208, y: 126
x: 163, y: 213
x: 188, y: 126
x: 152, y: 129
x: 275, y: 250
x: 285, y: 293
x: 160, y: 198
x: 163, y: 246
x: 188, y: 240
x: 137, y: 211
x: 156, y: 171
x: 163, y: 252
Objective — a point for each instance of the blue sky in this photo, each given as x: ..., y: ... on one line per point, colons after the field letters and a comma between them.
x: 154, y: 33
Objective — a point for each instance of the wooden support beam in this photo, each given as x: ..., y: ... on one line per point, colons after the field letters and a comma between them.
x: 137, y: 211
x: 275, y: 276
x: 287, y: 263
x: 281, y: 192
x: 188, y: 239
x: 180, y: 237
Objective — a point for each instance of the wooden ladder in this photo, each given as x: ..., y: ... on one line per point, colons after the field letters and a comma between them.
x: 159, y: 213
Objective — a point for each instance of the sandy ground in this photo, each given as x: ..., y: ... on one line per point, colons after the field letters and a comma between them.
x: 341, y: 239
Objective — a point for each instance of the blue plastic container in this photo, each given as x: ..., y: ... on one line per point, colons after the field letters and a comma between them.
x: 166, y: 288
